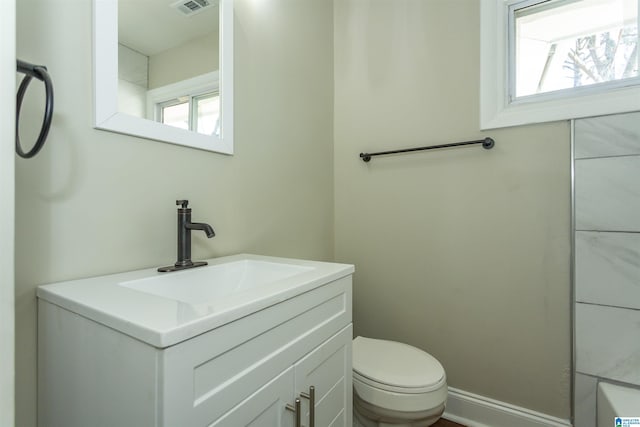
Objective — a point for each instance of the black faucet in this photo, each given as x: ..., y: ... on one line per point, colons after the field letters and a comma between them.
x: 184, y: 238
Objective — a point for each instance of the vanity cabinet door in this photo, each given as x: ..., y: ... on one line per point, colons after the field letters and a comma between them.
x: 266, y: 407
x: 328, y: 369
x: 204, y: 378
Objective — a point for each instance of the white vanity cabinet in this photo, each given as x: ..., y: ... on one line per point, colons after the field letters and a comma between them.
x: 244, y: 372
x: 326, y: 368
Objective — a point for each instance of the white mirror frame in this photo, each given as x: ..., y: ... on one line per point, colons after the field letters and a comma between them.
x: 105, y: 85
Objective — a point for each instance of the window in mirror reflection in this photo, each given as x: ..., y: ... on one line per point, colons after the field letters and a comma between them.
x: 199, y: 113
x: 207, y: 114
x: 176, y: 115
x: 191, y: 104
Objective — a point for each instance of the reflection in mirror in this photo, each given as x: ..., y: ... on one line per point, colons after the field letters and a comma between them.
x: 158, y: 62
x: 172, y: 77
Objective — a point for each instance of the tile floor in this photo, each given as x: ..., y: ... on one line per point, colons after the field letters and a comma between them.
x: 446, y: 423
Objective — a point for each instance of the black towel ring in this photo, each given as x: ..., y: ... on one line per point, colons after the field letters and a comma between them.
x: 40, y: 73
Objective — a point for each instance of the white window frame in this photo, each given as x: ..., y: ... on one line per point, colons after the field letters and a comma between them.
x: 497, y: 110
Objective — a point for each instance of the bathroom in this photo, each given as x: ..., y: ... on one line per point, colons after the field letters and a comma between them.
x: 465, y: 253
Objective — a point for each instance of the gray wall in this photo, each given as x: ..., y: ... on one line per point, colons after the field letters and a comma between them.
x: 607, y: 256
x: 95, y: 202
x: 464, y: 253
x: 133, y: 81
x: 196, y: 57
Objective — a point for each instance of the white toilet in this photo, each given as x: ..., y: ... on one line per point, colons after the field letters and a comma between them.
x: 396, y: 384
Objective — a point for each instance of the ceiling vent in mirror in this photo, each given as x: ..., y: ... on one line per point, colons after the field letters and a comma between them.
x: 192, y: 7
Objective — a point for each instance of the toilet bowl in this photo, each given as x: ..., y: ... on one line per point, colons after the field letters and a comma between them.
x: 395, y: 384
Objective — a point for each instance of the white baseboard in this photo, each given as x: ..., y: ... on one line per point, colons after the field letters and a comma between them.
x: 478, y: 411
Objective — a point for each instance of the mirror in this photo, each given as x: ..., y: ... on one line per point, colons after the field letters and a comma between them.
x: 165, y: 72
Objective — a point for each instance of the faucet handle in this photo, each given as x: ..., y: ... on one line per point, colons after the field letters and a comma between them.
x: 184, y: 203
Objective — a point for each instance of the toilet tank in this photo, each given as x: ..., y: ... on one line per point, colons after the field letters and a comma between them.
x: 616, y: 401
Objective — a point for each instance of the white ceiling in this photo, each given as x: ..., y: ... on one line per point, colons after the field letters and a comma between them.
x: 152, y: 26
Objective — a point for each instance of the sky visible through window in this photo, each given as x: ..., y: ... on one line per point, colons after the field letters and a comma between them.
x: 567, y: 44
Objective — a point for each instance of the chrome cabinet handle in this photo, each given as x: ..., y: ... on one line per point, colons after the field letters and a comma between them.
x: 312, y: 405
x: 296, y: 411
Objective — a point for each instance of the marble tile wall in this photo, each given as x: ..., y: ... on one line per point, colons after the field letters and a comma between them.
x: 607, y: 193
x: 585, y: 398
x: 607, y: 257
x: 607, y: 136
x: 608, y: 342
x: 608, y: 268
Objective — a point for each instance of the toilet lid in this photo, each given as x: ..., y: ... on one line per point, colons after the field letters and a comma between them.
x: 395, y: 364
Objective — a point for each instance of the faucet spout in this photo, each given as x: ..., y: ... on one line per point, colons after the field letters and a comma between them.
x: 201, y: 226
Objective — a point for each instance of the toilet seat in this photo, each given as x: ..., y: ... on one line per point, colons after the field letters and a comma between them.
x: 395, y: 389
x: 395, y: 366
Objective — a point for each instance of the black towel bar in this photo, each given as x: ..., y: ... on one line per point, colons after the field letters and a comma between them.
x: 487, y: 143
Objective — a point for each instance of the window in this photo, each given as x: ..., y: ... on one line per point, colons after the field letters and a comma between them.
x: 200, y: 113
x: 207, y: 114
x: 174, y: 113
x: 566, y: 44
x: 192, y: 104
x: 557, y: 59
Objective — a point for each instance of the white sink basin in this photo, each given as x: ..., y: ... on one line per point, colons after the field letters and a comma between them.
x: 209, y: 283
x: 163, y: 309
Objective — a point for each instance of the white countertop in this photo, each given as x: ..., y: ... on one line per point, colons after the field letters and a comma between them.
x: 163, y: 322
